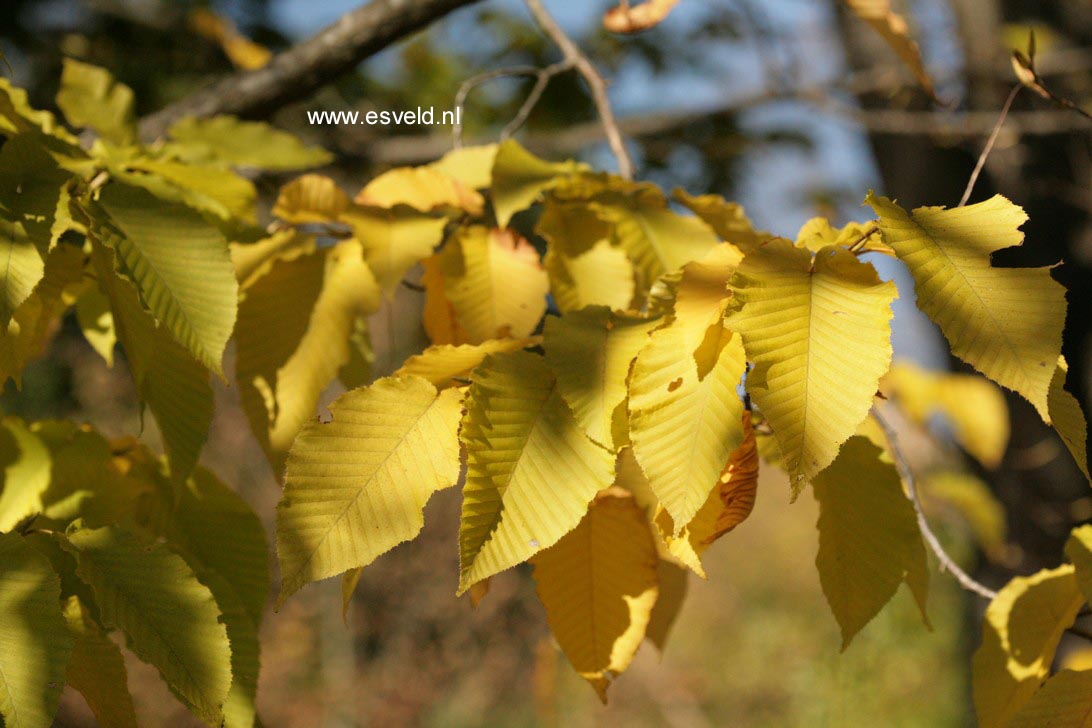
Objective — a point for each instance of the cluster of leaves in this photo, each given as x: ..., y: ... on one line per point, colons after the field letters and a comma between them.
x: 99, y: 535
x: 606, y: 371
x: 608, y: 368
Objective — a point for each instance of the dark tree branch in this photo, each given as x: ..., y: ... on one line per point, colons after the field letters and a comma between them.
x: 300, y: 70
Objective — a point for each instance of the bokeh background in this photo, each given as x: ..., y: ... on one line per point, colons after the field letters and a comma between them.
x: 791, y: 107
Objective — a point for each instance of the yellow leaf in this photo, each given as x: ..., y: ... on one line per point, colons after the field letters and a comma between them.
x: 229, y: 140
x: 356, y: 487
x: 590, y: 352
x: 686, y: 415
x: 253, y: 260
x: 672, y: 580
x: 97, y: 322
x: 869, y: 541
x: 727, y: 219
x: 1079, y: 551
x: 240, y: 50
x: 519, y: 177
x: 22, y: 267
x: 349, y: 580
x: 473, y: 166
x: 444, y: 364
x: 311, y: 198
x: 531, y: 471
x: 727, y: 506
x: 602, y: 276
x: 1020, y: 634
x: 293, y: 337
x: 1067, y: 418
x: 1065, y: 701
x: 703, y: 291
x: 818, y: 233
x: 91, y: 97
x: 97, y: 670
x: 975, y: 408
x: 422, y: 188
x: 393, y: 240
x: 1005, y: 322
x: 438, y: 315
x: 657, y: 239
x: 894, y: 29
x: 818, y: 332
x: 598, y: 585
x: 206, y: 188
x: 495, y: 282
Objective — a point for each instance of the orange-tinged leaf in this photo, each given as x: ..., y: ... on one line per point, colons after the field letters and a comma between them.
x: 627, y: 18
x: 894, y: 29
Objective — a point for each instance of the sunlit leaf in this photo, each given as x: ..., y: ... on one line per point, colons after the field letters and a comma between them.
x: 1005, y: 322
x: 444, y: 364
x: 818, y: 332
x: 422, y: 188
x: 531, y: 471
x: 1067, y: 417
x: 229, y: 140
x: 519, y: 177
x: 311, y: 198
x: 393, y: 240
x: 356, y: 487
x: 90, y: 97
x: 473, y: 166
x: 894, y: 29
x: 24, y: 472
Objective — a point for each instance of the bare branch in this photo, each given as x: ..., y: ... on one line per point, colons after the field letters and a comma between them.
x: 300, y: 70
x: 542, y: 78
x: 907, y: 475
x: 989, y: 145
x: 596, y: 85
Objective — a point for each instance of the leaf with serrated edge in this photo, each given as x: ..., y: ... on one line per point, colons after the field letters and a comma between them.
x: 229, y: 140
x: 495, y: 282
x: 169, y: 618
x: 1005, y: 322
x: 444, y: 363
x: 356, y: 487
x: 1067, y: 418
x: 96, y: 669
x: 728, y: 505
x: 686, y: 417
x: 590, y: 352
x: 34, y: 644
x: 819, y: 335
x: 869, y: 541
x: 1065, y: 701
x: 1020, y: 634
x: 598, y: 585
x: 531, y: 471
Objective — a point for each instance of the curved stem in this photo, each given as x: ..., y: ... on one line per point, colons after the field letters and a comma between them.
x: 989, y: 145
x: 946, y: 562
x: 596, y: 85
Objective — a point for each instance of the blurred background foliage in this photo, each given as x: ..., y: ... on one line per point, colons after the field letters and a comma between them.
x: 786, y: 105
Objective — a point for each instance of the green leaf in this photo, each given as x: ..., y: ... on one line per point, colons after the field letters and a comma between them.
x: 229, y: 140
x: 1020, y: 635
x: 97, y: 322
x: 1005, y: 322
x: 22, y: 268
x: 294, y: 335
x: 97, y: 670
x: 25, y: 473
x: 818, y: 332
x: 167, y: 377
x: 531, y: 470
x: 869, y: 541
x: 170, y: 619
x: 210, y: 189
x: 590, y: 352
x: 34, y: 644
x: 91, y: 97
x: 519, y: 177
x: 31, y: 187
x: 180, y: 264
x: 357, y: 486
x: 17, y: 115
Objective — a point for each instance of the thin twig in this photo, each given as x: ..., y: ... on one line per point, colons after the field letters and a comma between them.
x: 596, y: 85
x: 946, y: 561
x: 472, y: 83
x: 528, y: 105
x: 863, y: 240
x: 989, y: 144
